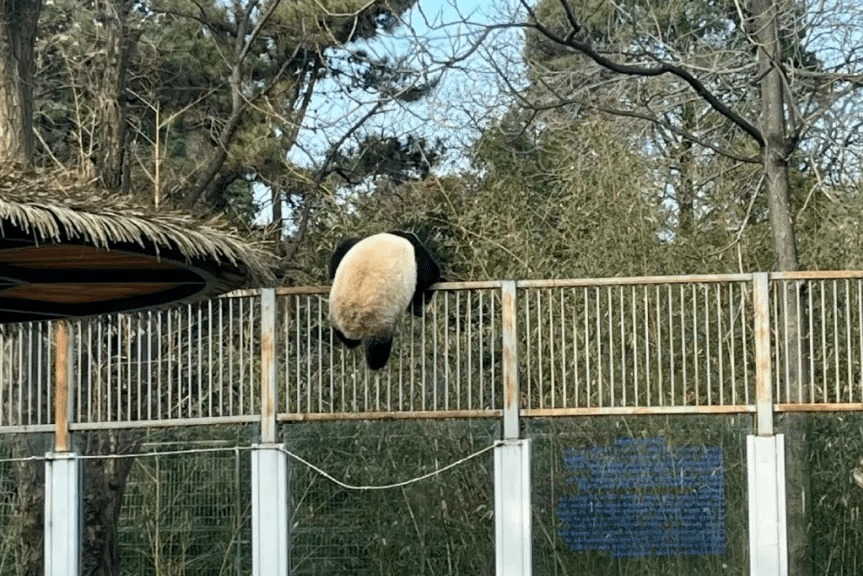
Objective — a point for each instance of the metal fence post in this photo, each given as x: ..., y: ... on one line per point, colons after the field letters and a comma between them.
x: 271, y: 496
x: 765, y: 453
x: 768, y: 540
x: 763, y: 374
x: 512, y: 488
x: 63, y: 482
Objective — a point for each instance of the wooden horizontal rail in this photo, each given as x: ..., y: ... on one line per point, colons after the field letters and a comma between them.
x: 637, y: 411
x: 381, y: 415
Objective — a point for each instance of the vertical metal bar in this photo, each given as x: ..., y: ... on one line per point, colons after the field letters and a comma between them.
x: 800, y: 336
x: 458, y: 337
x: 528, y: 347
x: 539, y: 360
x: 763, y: 380
x: 62, y: 378
x: 241, y: 356
x: 551, y: 339
x: 562, y: 349
x: 669, y: 299
x: 575, y: 375
x: 320, y: 355
x: 811, y: 340
x: 646, y: 346
x: 31, y: 411
x: 108, y: 379
x: 635, y: 356
x: 683, y: 379
x: 786, y: 347
x: 707, y: 369
x: 849, y: 352
x: 587, y: 346
x: 469, y: 404
x: 824, y: 381
x: 308, y: 331
x: 509, y: 326
x: 659, y: 355
x: 623, y: 367
x: 297, y: 355
x: 744, y: 321
x: 599, y: 363
x: 695, y: 351
x: 482, y: 331
x: 732, y: 342
x: 189, y: 378
x: 435, y: 324
x: 860, y: 331
x: 210, y: 359
x: 611, y: 364
x: 836, y: 349
x: 719, y: 345
x: 493, y: 334
x: 269, y: 391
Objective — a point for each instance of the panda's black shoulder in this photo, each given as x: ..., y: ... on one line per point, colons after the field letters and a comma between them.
x: 409, y: 236
x: 339, y: 253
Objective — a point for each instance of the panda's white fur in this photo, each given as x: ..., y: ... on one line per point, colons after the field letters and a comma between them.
x: 373, y: 286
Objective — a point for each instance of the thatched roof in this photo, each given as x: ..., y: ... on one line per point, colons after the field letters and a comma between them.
x: 50, y: 207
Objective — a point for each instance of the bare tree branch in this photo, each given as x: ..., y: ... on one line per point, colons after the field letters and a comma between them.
x: 636, y: 70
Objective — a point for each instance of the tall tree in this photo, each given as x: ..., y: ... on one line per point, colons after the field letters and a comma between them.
x: 18, y: 20
x: 187, y: 102
x: 685, y: 69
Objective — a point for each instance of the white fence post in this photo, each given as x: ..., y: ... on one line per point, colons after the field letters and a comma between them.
x: 62, y: 514
x: 512, y: 488
x: 765, y: 453
x: 62, y: 528
x: 768, y: 542
x: 271, y: 495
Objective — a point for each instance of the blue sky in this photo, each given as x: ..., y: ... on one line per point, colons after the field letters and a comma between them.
x: 466, y: 97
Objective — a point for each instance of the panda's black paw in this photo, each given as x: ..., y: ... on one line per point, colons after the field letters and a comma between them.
x: 377, y: 351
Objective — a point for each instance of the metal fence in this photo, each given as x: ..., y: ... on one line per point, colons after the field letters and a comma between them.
x: 731, y: 345
x: 684, y: 344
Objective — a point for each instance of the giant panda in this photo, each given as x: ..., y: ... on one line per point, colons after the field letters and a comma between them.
x: 374, y: 281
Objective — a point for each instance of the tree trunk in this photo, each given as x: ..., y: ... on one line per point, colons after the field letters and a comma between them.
x: 686, y: 184
x: 778, y: 187
x: 30, y: 502
x: 111, y: 114
x: 18, y: 20
x: 104, y: 487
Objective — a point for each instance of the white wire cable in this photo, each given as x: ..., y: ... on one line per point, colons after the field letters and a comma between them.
x: 396, y: 484
x: 281, y: 448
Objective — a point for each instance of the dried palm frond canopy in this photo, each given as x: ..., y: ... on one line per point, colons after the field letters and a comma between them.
x: 69, y: 249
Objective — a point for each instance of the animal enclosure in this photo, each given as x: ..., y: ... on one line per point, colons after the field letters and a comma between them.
x: 634, y: 395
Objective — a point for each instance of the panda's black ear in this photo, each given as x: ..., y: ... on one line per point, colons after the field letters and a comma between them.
x: 338, y: 254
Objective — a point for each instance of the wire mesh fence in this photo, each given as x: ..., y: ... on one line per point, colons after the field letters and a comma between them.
x: 617, y: 347
x: 188, y: 511
x: 439, y: 525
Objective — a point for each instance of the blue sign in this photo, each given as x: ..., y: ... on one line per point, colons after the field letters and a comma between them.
x: 639, y: 498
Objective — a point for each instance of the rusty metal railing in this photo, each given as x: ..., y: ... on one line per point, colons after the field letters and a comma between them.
x: 735, y: 343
